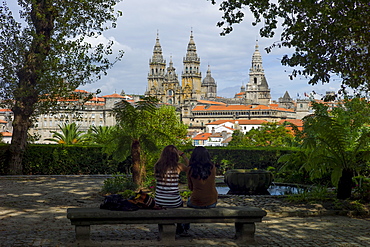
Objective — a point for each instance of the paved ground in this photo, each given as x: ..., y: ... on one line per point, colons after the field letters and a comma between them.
x: 33, y: 213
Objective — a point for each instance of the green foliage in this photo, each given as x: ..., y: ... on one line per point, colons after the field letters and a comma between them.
x: 335, y: 142
x: 362, y: 188
x: 45, y: 53
x: 127, y: 194
x: 70, y: 135
x: 141, y: 129
x: 100, y: 134
x: 118, y: 183
x: 224, y: 166
x: 185, y: 194
x: 269, y: 134
x: 327, y: 36
x: 61, y: 160
x: 238, y: 139
x: 313, y: 195
x: 150, y: 182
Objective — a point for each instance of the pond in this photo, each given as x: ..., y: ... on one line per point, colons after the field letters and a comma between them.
x: 274, y: 189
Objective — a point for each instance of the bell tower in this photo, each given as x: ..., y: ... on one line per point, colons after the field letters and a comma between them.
x: 257, y: 90
x: 191, y: 76
x: 157, y: 70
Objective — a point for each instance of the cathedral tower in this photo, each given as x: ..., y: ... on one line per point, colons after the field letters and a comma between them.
x: 157, y: 67
x: 257, y: 90
x: 191, y: 76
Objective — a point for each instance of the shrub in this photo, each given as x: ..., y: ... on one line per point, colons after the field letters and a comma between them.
x: 127, y: 193
x: 118, y: 183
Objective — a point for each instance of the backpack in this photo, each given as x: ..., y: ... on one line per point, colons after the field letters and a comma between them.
x: 144, y: 200
x: 117, y: 203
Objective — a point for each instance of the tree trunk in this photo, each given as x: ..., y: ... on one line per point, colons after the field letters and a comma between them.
x: 18, y: 145
x: 136, y: 162
x: 26, y: 94
x: 345, y: 184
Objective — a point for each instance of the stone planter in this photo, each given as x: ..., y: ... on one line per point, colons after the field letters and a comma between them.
x: 248, y: 181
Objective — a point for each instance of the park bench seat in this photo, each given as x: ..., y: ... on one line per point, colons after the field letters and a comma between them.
x: 243, y: 217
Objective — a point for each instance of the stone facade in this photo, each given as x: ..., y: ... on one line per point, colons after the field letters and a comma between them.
x: 164, y: 83
x: 95, y: 112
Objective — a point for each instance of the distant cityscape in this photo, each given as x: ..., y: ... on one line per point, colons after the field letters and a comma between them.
x: 211, y: 119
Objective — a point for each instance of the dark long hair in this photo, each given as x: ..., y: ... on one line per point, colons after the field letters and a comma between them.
x: 169, y: 160
x: 200, y: 163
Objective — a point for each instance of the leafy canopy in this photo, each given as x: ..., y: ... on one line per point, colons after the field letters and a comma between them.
x: 334, y: 140
x: 269, y: 134
x: 50, y: 51
x: 329, y: 36
x: 141, y: 128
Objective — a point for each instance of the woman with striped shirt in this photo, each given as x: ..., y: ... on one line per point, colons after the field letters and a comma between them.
x: 167, y: 170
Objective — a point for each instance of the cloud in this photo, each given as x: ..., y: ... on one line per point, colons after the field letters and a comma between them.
x: 229, y: 56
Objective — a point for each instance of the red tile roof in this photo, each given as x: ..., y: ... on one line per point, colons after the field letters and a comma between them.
x: 115, y: 95
x: 202, y: 136
x: 297, y: 122
x: 5, y: 110
x: 228, y: 128
x: 80, y: 91
x: 241, y: 93
x: 97, y: 99
x: 6, y: 134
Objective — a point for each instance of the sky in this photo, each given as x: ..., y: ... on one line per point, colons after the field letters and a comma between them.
x: 229, y: 57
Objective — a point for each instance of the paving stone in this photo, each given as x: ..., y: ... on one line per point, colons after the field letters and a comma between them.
x: 33, y: 213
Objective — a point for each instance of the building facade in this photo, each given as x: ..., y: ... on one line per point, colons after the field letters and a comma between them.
x: 97, y: 111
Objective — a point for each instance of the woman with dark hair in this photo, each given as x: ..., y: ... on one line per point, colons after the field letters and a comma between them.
x: 167, y: 170
x: 202, y: 180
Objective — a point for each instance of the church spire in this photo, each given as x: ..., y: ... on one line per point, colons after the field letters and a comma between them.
x: 157, y: 69
x: 157, y: 52
x: 191, y: 54
x: 257, y: 90
x: 257, y: 60
x: 191, y: 75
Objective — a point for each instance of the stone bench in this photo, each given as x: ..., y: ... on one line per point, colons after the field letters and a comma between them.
x: 244, y: 219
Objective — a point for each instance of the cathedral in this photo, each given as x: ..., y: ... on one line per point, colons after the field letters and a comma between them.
x: 196, y: 97
x: 164, y: 84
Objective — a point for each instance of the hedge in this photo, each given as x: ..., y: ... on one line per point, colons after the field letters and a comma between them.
x: 49, y: 159
x: 61, y: 160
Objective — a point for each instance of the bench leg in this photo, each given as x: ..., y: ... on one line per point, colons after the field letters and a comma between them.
x: 82, y: 233
x: 244, y: 232
x: 167, y: 232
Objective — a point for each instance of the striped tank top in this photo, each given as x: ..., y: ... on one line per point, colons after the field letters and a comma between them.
x: 167, y: 190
